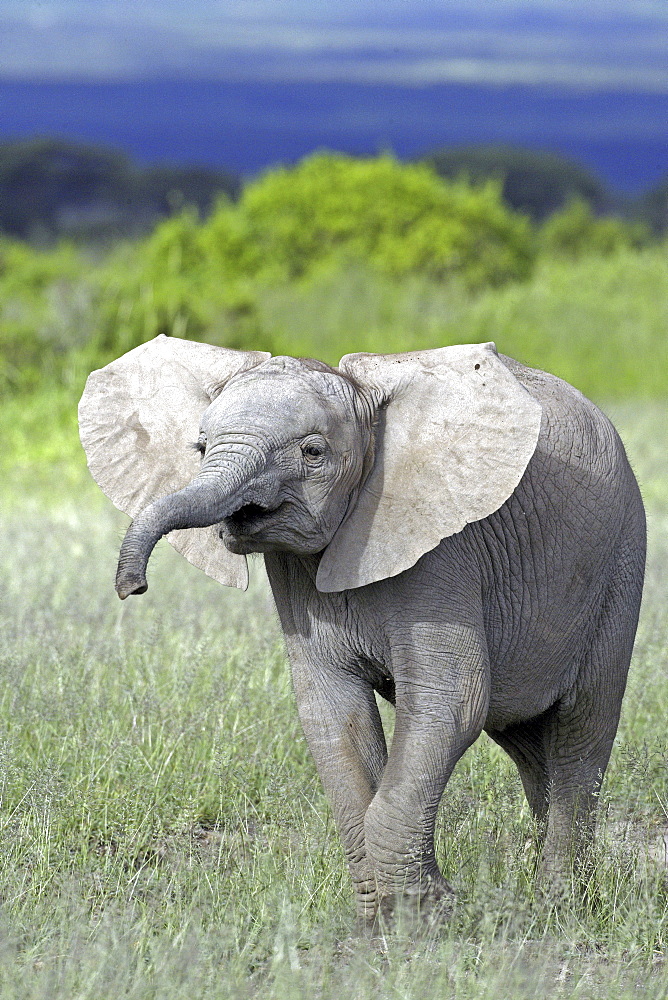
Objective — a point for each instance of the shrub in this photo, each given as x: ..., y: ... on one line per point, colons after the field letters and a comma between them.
x: 176, y: 282
x: 157, y: 286
x: 202, y: 280
x: 401, y: 218
x: 576, y: 231
x: 43, y: 298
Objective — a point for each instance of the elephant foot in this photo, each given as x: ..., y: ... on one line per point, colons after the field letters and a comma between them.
x: 366, y: 899
x: 417, y: 909
x: 565, y: 873
x: 414, y: 910
x: 564, y: 886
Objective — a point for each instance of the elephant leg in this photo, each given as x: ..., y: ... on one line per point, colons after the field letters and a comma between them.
x: 563, y: 754
x: 441, y: 704
x: 345, y: 735
x: 525, y: 743
x: 561, y: 758
x: 561, y: 786
x: 576, y: 766
x: 584, y: 724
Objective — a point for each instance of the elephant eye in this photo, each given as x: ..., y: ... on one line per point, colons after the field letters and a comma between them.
x: 199, y: 445
x: 312, y: 451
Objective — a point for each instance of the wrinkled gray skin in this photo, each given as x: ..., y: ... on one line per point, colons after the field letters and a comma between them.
x: 522, y: 624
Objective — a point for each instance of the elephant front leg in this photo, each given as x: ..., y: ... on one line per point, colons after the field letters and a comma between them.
x: 441, y: 705
x: 345, y: 735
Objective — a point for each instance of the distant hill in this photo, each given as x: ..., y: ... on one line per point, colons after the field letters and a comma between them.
x: 52, y: 188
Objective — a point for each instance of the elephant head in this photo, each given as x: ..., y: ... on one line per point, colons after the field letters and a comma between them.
x: 371, y: 464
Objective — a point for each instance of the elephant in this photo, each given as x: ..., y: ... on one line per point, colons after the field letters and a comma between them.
x: 448, y: 528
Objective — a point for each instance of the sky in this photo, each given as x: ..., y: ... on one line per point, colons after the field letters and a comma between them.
x: 587, y: 44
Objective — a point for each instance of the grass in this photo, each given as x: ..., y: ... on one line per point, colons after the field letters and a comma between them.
x: 163, y: 832
x: 598, y: 322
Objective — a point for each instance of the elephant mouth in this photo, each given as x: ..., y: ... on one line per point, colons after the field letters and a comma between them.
x: 247, y: 520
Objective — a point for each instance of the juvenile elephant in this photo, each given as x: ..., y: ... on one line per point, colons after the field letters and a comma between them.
x: 449, y: 528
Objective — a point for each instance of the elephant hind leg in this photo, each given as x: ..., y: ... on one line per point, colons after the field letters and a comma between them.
x: 561, y: 759
x: 582, y: 730
x: 562, y: 755
x: 576, y: 768
x: 525, y: 744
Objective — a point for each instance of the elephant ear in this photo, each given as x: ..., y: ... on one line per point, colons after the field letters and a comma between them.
x: 455, y: 433
x: 138, y: 419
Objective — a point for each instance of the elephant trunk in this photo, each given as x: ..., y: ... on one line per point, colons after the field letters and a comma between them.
x: 205, y: 501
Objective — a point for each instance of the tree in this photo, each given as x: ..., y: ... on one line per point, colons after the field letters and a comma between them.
x: 537, y: 183
x: 652, y: 207
x: 51, y: 188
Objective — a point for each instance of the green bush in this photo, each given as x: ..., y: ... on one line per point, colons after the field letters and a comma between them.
x: 176, y: 282
x: 401, y: 218
x: 202, y: 280
x: 576, y: 231
x: 45, y: 305
x: 157, y: 286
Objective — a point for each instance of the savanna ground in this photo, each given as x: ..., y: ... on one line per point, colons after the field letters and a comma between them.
x: 163, y: 832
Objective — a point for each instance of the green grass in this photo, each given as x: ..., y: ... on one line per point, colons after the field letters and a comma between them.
x: 163, y: 832
x: 598, y: 322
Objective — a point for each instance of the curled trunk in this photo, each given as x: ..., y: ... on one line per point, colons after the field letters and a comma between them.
x: 205, y: 501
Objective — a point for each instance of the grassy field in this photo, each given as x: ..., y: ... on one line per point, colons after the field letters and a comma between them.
x: 162, y: 830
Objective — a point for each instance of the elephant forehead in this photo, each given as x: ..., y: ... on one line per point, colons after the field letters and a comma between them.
x: 296, y: 375
x: 291, y: 403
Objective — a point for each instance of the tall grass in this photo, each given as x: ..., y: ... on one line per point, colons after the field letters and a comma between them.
x: 598, y: 322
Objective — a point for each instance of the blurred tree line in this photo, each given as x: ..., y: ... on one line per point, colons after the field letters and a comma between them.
x: 53, y: 188
x: 532, y: 182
